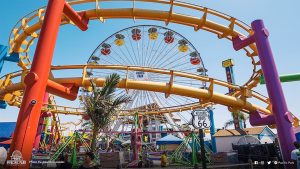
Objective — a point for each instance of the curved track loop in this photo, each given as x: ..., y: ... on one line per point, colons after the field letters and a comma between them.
x: 27, y: 29
x: 204, y: 95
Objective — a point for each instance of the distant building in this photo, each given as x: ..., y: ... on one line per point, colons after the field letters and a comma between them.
x: 226, y: 137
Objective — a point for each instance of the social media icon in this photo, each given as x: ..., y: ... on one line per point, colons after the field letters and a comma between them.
x: 275, y: 162
x: 269, y: 162
x: 262, y: 162
x: 255, y: 162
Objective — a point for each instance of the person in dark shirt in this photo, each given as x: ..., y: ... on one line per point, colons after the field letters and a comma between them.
x: 88, y: 162
x: 66, y: 164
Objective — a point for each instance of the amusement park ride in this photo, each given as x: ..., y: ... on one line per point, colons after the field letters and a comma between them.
x: 160, y: 88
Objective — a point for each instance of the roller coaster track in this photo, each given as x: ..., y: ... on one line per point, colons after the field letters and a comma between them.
x: 205, y: 95
x: 27, y: 28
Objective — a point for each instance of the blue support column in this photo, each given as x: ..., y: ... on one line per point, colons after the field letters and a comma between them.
x: 14, y: 57
x: 212, y: 130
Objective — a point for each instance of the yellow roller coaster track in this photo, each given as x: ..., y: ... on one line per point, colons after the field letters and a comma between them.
x: 27, y: 29
x: 204, y: 95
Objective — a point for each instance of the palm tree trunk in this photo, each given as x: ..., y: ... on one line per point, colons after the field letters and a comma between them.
x: 108, y: 143
x: 94, y: 137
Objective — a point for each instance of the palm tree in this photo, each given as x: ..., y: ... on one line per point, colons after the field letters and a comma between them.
x: 241, y: 116
x: 101, y: 105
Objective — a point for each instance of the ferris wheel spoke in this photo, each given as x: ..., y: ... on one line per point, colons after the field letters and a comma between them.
x: 190, y: 68
x: 139, y: 57
x: 178, y: 66
x: 131, y: 60
x: 112, y: 58
x: 167, y: 56
x: 160, y: 77
x: 107, y: 61
x: 107, y: 71
x: 150, y: 54
x: 161, y: 54
x: 132, y: 48
x: 182, y: 117
x: 168, y: 65
x: 122, y: 58
x: 160, y: 47
x: 147, y: 56
x: 172, y: 62
x: 142, y: 51
x: 139, y: 99
x: 148, y: 98
x: 129, y: 54
x: 179, y: 82
x: 147, y: 52
x: 133, y: 97
x: 159, y: 50
x: 164, y: 54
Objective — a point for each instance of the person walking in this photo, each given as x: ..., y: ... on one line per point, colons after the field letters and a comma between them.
x: 88, y: 162
x: 295, y: 155
x: 164, y: 160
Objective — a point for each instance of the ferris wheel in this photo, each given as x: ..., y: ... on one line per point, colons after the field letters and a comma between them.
x: 155, y: 47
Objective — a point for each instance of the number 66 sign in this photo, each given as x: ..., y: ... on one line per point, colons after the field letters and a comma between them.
x: 200, y: 119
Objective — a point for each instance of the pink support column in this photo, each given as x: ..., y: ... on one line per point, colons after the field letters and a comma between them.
x: 281, y: 114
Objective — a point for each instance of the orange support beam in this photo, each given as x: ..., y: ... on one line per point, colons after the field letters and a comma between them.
x: 36, y: 82
x: 79, y: 19
x: 67, y: 90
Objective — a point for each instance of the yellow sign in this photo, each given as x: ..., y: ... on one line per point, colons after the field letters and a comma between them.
x: 228, y: 63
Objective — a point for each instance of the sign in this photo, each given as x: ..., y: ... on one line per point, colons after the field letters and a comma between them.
x: 16, y: 159
x: 200, y: 119
x: 227, y: 63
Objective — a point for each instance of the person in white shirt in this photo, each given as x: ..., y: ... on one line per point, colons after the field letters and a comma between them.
x: 295, y: 155
x: 3, y: 155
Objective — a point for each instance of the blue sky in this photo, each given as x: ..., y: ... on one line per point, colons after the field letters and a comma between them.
x: 281, y: 18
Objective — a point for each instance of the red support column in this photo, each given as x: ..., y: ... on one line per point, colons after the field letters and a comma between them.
x: 36, y: 81
x: 78, y: 19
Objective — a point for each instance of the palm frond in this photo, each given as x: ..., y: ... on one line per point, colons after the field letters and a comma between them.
x: 228, y: 123
x: 110, y: 85
x: 243, y: 116
x: 120, y: 100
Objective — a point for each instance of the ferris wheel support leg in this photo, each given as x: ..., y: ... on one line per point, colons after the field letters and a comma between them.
x: 36, y: 82
x: 282, y: 116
